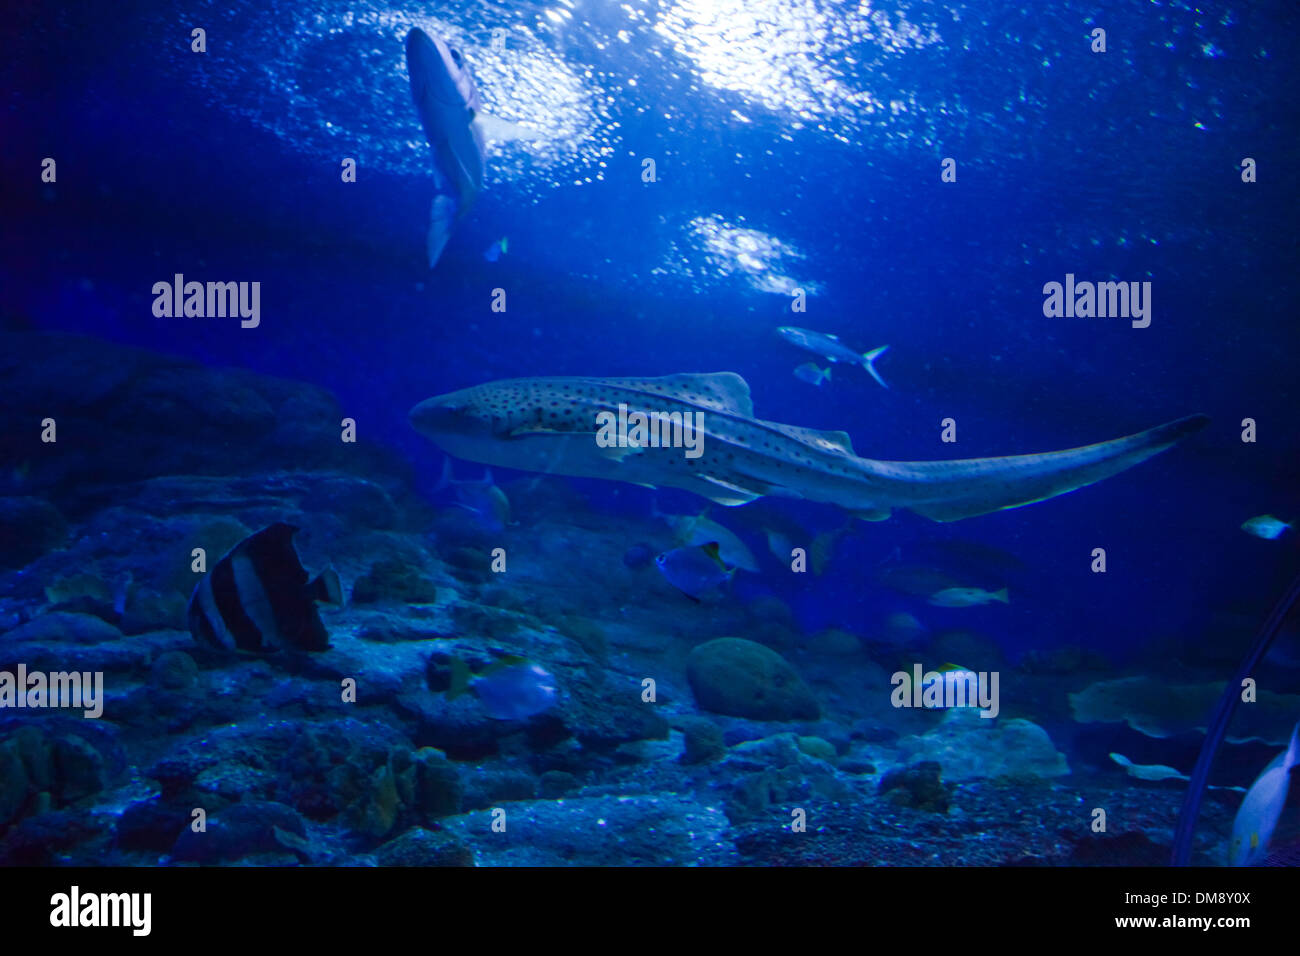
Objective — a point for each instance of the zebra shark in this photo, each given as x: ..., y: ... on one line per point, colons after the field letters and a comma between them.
x: 551, y: 425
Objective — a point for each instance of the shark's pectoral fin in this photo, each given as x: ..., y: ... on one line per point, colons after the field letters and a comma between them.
x: 618, y: 453
x: 725, y: 493
x: 497, y: 130
x: 873, y: 514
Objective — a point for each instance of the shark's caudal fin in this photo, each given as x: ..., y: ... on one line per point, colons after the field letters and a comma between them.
x: 951, y: 490
x: 869, y: 363
x: 442, y: 219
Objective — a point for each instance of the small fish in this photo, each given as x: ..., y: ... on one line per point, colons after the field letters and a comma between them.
x: 1262, y: 806
x: 832, y: 349
x: 779, y: 544
x: 513, y: 688
x: 695, y: 570
x: 968, y: 597
x: 482, y: 498
x: 810, y: 373
x: 1266, y: 526
x: 1150, y: 771
x: 690, y: 530
x: 498, y: 249
x: 639, y: 555
x: 257, y: 598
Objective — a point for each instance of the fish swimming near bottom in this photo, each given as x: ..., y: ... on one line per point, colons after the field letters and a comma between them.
x: 258, y: 598
x: 695, y: 570
x: 513, y: 688
x: 481, y: 498
x: 1252, y: 829
x: 716, y: 448
x: 968, y: 597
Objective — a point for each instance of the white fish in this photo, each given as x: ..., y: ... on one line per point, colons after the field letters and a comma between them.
x: 1265, y: 526
x: 968, y: 597
x: 457, y: 129
x: 692, y: 530
x: 551, y: 425
x: 1261, y: 807
x: 832, y: 349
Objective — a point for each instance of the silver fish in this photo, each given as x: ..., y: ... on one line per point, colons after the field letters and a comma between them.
x: 550, y: 425
x: 448, y: 103
x: 832, y: 349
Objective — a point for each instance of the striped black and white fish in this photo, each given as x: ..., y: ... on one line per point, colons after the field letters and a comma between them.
x: 258, y: 598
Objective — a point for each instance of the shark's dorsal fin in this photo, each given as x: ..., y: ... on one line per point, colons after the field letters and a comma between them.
x: 720, y: 391
x: 833, y: 441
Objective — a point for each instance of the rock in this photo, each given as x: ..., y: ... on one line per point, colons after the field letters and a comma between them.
x: 556, y: 783
x: 14, y: 784
x: 437, y: 786
x: 421, y: 847
x: 918, y: 786
x: 357, y: 501
x: 174, y: 670
x: 645, y: 830
x: 396, y: 581
x: 817, y: 747
x: 29, y: 527
x: 704, y: 740
x: 150, y: 610
x: 237, y: 832
x: 79, y: 769
x: 487, y: 788
x: 969, y: 747
x: 375, y: 814
x: 63, y: 626
x: 152, y: 825
x: 740, y: 678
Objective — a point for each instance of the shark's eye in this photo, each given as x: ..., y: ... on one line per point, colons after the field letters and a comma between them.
x: 455, y: 55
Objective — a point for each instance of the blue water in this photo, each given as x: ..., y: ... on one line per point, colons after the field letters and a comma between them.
x: 797, y: 143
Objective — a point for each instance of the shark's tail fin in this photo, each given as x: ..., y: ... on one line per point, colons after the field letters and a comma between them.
x: 442, y: 218
x: 869, y: 363
x: 951, y: 490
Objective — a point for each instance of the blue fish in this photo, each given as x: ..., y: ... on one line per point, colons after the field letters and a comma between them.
x: 513, y: 688
x: 1262, y: 806
x: 810, y: 373
x: 498, y: 249
x: 696, y: 570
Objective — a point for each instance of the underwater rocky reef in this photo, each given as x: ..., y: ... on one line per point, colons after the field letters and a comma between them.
x: 718, y: 735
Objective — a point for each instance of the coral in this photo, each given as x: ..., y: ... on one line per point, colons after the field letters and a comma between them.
x: 740, y: 678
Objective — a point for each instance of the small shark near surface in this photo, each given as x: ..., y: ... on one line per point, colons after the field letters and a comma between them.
x: 458, y: 132
x: 448, y: 103
x: 551, y: 425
